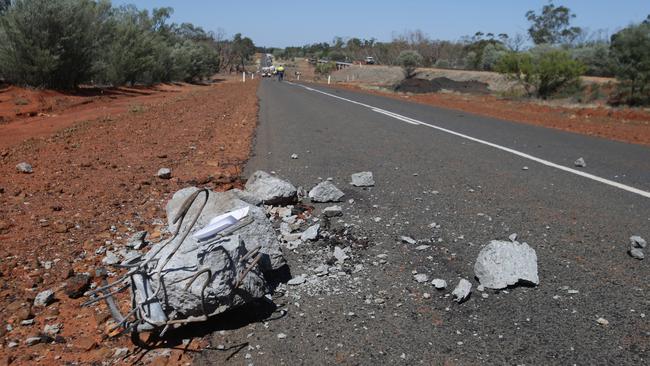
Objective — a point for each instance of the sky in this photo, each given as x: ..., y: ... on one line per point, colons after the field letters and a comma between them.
x: 295, y: 23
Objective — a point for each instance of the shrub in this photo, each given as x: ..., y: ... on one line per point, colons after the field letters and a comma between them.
x: 40, y: 45
x: 595, y: 57
x: 409, y: 60
x: 325, y: 68
x: 544, y: 73
x: 630, y: 51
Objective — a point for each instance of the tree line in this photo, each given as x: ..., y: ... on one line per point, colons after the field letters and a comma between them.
x: 65, y: 43
x: 550, y: 57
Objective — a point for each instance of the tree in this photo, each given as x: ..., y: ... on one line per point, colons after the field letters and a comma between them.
x: 41, y: 46
x: 630, y: 51
x: 4, y: 5
x: 552, y: 25
x: 545, y: 73
x: 409, y: 60
x: 243, y: 49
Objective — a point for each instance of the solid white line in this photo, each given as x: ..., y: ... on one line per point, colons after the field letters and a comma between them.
x: 503, y: 148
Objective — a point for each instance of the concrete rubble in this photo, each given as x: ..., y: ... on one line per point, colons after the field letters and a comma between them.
x: 24, y: 168
x: 44, y: 298
x: 271, y: 190
x: 325, y: 192
x: 580, y: 163
x: 637, y: 244
x: 164, y: 173
x: 439, y: 284
x: 505, y: 263
x: 362, y: 179
x: 462, y: 290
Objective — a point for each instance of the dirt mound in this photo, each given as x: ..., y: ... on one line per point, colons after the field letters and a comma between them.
x: 420, y: 86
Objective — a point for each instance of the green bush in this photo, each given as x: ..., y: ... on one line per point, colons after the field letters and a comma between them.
x: 630, y: 51
x: 325, y: 68
x: 409, y: 60
x: 51, y: 43
x: 543, y: 73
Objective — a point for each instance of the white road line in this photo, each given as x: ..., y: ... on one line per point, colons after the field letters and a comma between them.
x: 503, y: 148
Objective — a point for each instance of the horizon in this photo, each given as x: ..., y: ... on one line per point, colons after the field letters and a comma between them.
x: 292, y: 23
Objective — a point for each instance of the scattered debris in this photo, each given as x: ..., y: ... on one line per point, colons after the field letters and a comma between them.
x: 52, y: 330
x: 271, y: 190
x: 408, y: 239
x: 422, y: 247
x: 24, y: 168
x: 282, y: 336
x: 77, y: 285
x: 602, y: 321
x: 137, y: 240
x: 326, y: 192
x: 32, y: 341
x: 636, y: 253
x: 298, y: 280
x: 637, y: 242
x: 580, y: 162
x: 294, y: 156
x: 439, y: 284
x: 333, y: 211
x: 363, y: 179
x: 311, y: 233
x: 462, y: 290
x: 110, y: 259
x: 524, y: 168
x: 164, y: 173
x: 340, y: 255
x: 421, y: 277
x: 504, y: 263
x: 44, y: 298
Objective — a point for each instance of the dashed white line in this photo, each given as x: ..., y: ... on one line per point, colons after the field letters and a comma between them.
x: 496, y: 146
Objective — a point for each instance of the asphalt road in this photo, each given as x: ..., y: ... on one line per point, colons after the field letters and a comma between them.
x: 579, y: 227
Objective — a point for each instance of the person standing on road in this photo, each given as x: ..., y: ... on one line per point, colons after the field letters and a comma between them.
x: 280, y: 71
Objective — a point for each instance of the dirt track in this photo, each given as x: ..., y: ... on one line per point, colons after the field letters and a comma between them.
x: 99, y: 174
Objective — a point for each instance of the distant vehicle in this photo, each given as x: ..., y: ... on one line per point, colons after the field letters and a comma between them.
x: 370, y: 60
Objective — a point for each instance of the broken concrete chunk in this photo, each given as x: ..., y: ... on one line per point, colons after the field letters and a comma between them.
x: 24, y: 168
x: 637, y: 242
x: 326, y: 192
x: 502, y: 263
x: 333, y: 211
x: 340, y: 255
x: 408, y: 239
x: 513, y: 237
x: 298, y: 280
x: 136, y: 241
x: 271, y: 190
x: 311, y: 233
x: 439, y: 284
x: 421, y: 277
x: 110, y: 259
x: 294, y: 156
x: 44, y: 298
x: 164, y: 173
x: 363, y: 179
x: 636, y: 253
x: 580, y: 163
x: 462, y: 290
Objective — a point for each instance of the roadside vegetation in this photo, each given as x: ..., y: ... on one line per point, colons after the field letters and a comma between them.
x: 548, y: 61
x: 62, y: 44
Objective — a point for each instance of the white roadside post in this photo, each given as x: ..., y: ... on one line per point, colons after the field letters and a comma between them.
x: 243, y: 77
x: 298, y: 77
x: 329, y: 79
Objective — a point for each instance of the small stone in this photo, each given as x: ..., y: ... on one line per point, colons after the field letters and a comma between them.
x: 636, y: 253
x: 637, y: 242
x: 408, y: 239
x: 326, y: 192
x: 136, y: 241
x: 363, y: 179
x: 282, y: 336
x: 524, y: 168
x: 271, y: 190
x: 44, y: 298
x: 580, y: 163
x: 24, y: 168
x: 421, y: 277
x: 32, y: 341
x: 298, y: 280
x: 439, y: 284
x: 426, y: 295
x: 333, y: 211
x: 602, y: 321
x: 110, y: 259
x: 164, y: 173
x: 120, y: 352
x: 27, y: 322
x: 462, y: 290
x: 294, y: 156
x: 76, y: 286
x: 422, y: 247
x: 52, y: 329
x: 340, y: 255
x: 513, y: 237
x: 311, y: 233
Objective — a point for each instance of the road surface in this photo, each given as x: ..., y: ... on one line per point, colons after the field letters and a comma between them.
x: 478, y: 179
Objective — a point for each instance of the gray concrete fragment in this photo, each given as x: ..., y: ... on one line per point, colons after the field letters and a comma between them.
x: 636, y: 253
x: 164, y: 173
x: 325, y: 192
x: 44, y: 298
x: 271, y: 190
x: 421, y: 277
x: 311, y: 233
x: 580, y: 162
x: 363, y: 179
x: 503, y: 263
x: 462, y: 290
x: 422, y: 247
x: 408, y: 239
x: 340, y: 255
x: 24, y: 168
x: 52, y: 329
x: 637, y: 242
x: 298, y: 280
x: 136, y: 241
x: 31, y: 341
x: 333, y: 211
x: 294, y: 156
x: 110, y: 259
x: 439, y: 284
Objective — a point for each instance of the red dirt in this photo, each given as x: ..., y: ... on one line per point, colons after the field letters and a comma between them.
x: 90, y: 176
x: 622, y: 124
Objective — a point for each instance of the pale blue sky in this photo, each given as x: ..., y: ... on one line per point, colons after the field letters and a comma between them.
x: 294, y: 22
